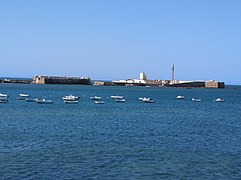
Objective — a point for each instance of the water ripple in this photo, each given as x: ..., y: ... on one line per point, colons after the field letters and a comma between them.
x: 169, y: 139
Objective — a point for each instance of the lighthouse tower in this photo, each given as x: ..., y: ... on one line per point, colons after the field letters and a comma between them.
x: 143, y: 76
x: 172, y: 73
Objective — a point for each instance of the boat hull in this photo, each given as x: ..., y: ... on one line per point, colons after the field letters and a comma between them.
x: 31, y: 100
x: 71, y: 102
x: 99, y: 102
x: 45, y: 102
x: 3, y: 100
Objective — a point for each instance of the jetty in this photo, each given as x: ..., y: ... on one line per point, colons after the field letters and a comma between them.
x: 20, y: 81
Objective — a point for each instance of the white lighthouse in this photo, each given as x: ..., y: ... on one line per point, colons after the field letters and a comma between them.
x: 143, y: 76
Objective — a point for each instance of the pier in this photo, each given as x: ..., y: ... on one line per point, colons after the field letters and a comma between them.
x: 19, y: 81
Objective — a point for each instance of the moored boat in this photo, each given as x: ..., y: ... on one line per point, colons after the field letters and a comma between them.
x: 120, y: 100
x: 70, y: 98
x: 95, y: 98
x: 44, y: 101
x: 196, y: 100
x: 24, y: 95
x: 218, y: 100
x: 99, y: 102
x: 117, y: 97
x: 3, y: 95
x: 148, y: 100
x: 180, y: 97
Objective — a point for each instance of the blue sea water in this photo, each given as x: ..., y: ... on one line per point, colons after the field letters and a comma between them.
x: 169, y: 139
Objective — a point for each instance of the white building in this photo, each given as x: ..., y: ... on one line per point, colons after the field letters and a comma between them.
x: 130, y: 81
x: 142, y: 80
x: 143, y: 76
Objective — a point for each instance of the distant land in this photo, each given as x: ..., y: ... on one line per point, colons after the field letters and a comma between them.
x: 142, y: 81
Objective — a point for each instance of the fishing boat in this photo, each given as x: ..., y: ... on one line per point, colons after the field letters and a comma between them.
x: 70, y: 98
x: 24, y: 95
x: 180, y: 97
x: 95, y: 98
x: 117, y: 97
x: 99, y: 102
x: 148, y: 100
x: 120, y: 100
x: 196, y: 100
x: 3, y: 95
x: 44, y: 101
x: 218, y: 100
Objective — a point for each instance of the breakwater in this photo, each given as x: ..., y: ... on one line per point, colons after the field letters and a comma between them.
x: 19, y: 81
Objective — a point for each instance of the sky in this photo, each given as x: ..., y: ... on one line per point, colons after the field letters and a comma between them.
x: 118, y: 39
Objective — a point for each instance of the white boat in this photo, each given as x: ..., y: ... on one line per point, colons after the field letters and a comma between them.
x: 44, y: 101
x: 71, y: 102
x: 218, y: 100
x: 180, y: 97
x: 96, y: 98
x: 99, y: 102
x: 120, y: 100
x: 148, y: 100
x: 145, y: 98
x: 196, y: 100
x: 70, y: 98
x: 3, y: 95
x: 117, y: 97
x: 24, y: 95
x: 31, y: 100
x: 141, y: 98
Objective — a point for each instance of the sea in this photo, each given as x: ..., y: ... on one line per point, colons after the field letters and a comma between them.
x: 168, y: 139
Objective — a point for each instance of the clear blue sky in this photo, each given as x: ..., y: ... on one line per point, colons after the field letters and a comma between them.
x: 118, y: 39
